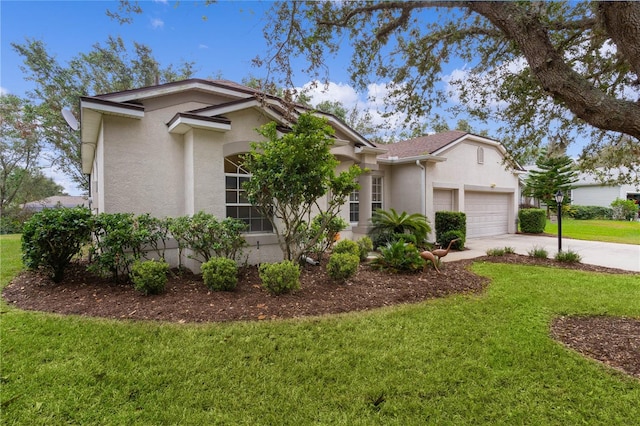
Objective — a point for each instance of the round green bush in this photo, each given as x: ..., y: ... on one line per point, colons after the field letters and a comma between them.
x: 280, y: 278
x: 220, y: 274
x: 365, y: 245
x: 149, y: 277
x: 347, y: 246
x: 449, y: 236
x: 342, y: 266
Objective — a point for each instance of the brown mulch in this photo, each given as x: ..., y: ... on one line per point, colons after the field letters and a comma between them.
x: 614, y: 341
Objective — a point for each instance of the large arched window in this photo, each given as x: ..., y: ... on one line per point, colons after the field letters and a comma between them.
x: 236, y: 200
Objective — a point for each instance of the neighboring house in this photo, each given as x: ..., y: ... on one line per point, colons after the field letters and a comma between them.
x: 589, y: 191
x: 175, y: 149
x: 69, y: 201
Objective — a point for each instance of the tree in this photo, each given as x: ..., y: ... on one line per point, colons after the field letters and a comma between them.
x: 20, y: 147
x: 106, y: 68
x: 554, y: 173
x: 290, y: 174
x: 543, y: 68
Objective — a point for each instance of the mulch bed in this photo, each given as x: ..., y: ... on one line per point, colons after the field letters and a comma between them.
x: 614, y: 341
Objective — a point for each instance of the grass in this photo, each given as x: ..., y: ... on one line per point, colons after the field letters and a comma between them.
x: 484, y: 359
x: 612, y: 231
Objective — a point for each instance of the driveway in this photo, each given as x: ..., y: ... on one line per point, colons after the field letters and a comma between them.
x: 612, y: 255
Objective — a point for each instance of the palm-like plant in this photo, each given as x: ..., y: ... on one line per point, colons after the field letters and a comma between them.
x: 388, y: 223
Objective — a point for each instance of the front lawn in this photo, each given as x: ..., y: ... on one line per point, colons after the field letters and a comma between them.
x: 484, y: 359
x: 612, y: 231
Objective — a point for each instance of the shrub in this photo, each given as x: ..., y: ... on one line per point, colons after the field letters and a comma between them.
x: 624, y: 209
x: 52, y: 237
x: 538, y: 252
x: 405, y: 238
x: 449, y: 236
x: 568, y: 257
x: 149, y: 277
x: 387, y: 223
x: 365, y: 245
x: 327, y: 229
x: 220, y: 274
x: 532, y: 221
x: 399, y: 257
x: 280, y: 278
x: 342, y: 266
x: 119, y: 240
x: 590, y: 212
x: 347, y: 246
x: 207, y: 236
x: 450, y: 221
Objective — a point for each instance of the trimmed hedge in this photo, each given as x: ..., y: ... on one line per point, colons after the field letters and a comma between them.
x: 590, y: 212
x: 450, y: 221
x: 532, y: 221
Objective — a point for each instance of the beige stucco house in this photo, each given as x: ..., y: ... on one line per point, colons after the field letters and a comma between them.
x: 174, y: 149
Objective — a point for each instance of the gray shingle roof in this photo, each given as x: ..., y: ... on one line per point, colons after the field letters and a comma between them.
x: 422, y: 145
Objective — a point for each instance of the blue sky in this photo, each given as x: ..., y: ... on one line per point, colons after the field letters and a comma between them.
x: 223, y: 44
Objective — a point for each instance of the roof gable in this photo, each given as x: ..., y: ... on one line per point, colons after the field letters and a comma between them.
x: 423, y: 145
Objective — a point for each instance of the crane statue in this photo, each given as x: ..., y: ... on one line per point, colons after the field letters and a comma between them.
x: 434, y: 255
x: 441, y: 252
x: 427, y: 255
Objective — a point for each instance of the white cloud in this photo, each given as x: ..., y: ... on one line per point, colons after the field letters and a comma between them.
x: 202, y: 46
x: 161, y: 1
x: 157, y: 23
x: 373, y: 102
x: 340, y: 92
x: 4, y: 91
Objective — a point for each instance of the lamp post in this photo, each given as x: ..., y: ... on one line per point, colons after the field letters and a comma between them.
x: 559, y: 197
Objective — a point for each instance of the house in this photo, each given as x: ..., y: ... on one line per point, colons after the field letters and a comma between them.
x: 68, y: 201
x: 589, y: 191
x: 175, y: 149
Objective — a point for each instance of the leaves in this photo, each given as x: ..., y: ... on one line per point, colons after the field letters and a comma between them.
x: 290, y: 173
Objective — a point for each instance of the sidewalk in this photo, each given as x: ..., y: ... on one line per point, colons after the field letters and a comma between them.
x: 620, y: 256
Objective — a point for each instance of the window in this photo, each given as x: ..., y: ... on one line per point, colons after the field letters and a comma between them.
x: 236, y: 200
x: 376, y: 193
x: 480, y: 155
x: 354, y: 206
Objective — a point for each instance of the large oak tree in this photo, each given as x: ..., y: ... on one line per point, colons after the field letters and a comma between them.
x: 546, y: 70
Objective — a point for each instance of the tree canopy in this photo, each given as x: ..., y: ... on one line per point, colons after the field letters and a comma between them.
x: 544, y: 69
x: 20, y: 148
x: 108, y: 67
x: 290, y: 173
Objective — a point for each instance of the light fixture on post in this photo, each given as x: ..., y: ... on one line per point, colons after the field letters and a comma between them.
x: 559, y: 198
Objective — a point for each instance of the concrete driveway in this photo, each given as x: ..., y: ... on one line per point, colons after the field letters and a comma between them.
x: 621, y: 256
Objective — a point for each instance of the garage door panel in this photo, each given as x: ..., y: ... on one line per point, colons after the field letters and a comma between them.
x: 442, y: 200
x: 487, y: 214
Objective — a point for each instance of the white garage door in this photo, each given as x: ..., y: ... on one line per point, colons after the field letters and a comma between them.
x: 487, y: 213
x: 442, y: 200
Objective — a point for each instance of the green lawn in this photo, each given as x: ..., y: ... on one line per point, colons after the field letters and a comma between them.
x: 484, y: 359
x: 612, y: 231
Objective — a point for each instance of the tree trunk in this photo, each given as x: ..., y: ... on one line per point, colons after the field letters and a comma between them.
x: 556, y: 76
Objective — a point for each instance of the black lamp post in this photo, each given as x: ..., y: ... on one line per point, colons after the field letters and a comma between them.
x: 559, y: 197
